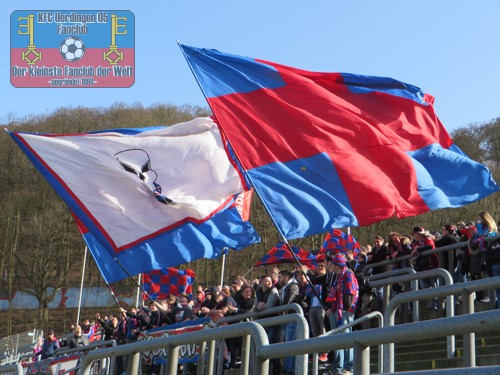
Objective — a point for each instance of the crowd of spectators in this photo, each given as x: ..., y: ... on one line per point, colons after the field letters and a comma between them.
x: 332, y: 294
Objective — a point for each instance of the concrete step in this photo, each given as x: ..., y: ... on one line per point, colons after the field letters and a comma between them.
x: 442, y: 353
x: 440, y: 343
x: 419, y: 364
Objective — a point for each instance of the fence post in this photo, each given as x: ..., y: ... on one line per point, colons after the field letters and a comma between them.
x: 361, y: 359
x: 469, y: 338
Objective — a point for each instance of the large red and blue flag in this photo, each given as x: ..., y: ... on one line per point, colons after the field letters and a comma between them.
x: 146, y: 198
x: 331, y: 150
x: 280, y: 254
x: 159, y: 284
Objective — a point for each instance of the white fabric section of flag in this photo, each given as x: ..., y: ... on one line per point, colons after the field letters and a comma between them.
x: 112, y: 175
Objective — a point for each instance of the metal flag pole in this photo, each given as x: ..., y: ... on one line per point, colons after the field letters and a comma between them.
x: 224, y: 252
x: 81, y: 286
x: 138, y: 296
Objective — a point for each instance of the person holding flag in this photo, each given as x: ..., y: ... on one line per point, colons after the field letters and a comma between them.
x: 343, y: 297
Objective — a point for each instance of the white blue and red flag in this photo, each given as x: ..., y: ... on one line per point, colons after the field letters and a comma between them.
x: 331, y: 150
x: 151, y: 198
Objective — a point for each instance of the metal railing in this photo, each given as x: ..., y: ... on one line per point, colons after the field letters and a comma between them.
x: 12, y: 347
x: 172, y: 344
x: 362, y: 340
x: 297, y: 317
x: 438, y: 250
x: 366, y: 318
x: 14, y: 368
x: 372, y: 280
x: 465, y: 289
x: 359, y: 340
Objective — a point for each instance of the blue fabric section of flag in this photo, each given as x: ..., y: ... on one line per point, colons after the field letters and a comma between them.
x: 110, y: 270
x: 361, y: 84
x: 243, y: 74
x: 310, y: 187
x: 128, y: 131
x: 184, y: 244
x: 460, y: 179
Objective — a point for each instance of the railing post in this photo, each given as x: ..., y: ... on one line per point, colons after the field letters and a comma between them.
x: 172, y: 359
x: 211, y: 357
x: 469, y: 338
x: 361, y: 359
x: 416, y: 304
x: 245, y: 355
x: 200, y: 369
x: 134, y: 361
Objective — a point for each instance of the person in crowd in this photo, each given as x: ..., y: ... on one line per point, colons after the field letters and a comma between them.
x: 236, y: 286
x: 423, y: 241
x: 343, y: 298
x: 226, y: 292
x: 199, y: 298
x: 267, y: 297
x: 274, y: 278
x: 50, y: 345
x: 398, y: 247
x: 378, y: 254
x: 361, y: 262
x: 78, y: 338
x: 448, y: 237
x: 120, y: 336
x: 288, y: 293
x: 183, y: 312
x: 108, y: 325
x: 134, y: 322
x: 493, y: 265
x: 245, y: 305
x: 216, y: 307
x: 485, y: 226
x: 313, y: 301
x: 156, y: 317
x: 88, y: 329
x: 369, y: 301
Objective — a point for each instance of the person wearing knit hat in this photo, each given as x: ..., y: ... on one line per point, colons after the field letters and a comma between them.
x: 343, y: 298
x: 339, y: 260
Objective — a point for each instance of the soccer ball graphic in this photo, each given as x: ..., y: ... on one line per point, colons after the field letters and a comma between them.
x: 72, y: 48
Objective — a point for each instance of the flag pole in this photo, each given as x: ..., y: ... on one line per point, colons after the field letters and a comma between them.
x: 137, y: 298
x: 225, y: 251
x: 81, y: 285
x: 140, y: 287
x: 222, y: 270
x: 250, y: 178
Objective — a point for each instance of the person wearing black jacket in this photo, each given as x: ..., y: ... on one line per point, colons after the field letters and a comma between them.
x: 108, y: 326
x: 448, y: 238
x: 77, y: 339
x: 289, y: 293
